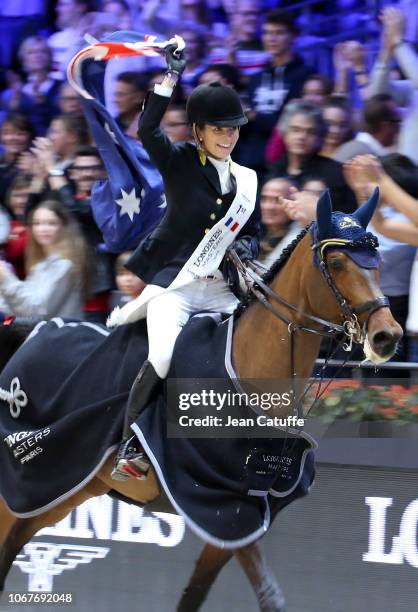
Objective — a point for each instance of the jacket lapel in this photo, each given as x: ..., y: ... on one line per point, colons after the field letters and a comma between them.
x: 211, y: 175
x: 234, y: 185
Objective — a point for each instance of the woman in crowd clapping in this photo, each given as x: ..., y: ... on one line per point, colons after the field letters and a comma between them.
x: 56, y: 266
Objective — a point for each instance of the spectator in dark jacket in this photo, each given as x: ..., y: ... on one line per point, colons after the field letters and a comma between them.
x: 15, y: 138
x: 129, y: 94
x: 303, y: 128
x: 270, y: 89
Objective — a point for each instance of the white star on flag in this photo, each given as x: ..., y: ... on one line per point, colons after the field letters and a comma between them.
x: 129, y: 203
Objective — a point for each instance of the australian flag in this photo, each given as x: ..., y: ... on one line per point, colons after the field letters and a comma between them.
x: 130, y: 202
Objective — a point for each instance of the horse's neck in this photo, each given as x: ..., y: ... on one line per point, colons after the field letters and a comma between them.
x: 262, y: 342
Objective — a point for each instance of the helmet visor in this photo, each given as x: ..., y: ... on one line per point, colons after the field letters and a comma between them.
x: 229, y: 122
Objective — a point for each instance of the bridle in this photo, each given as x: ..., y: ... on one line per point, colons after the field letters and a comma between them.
x: 351, y: 328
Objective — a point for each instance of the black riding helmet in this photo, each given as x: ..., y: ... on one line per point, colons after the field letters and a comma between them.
x: 215, y: 104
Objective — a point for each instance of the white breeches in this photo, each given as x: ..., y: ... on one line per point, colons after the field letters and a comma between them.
x: 169, y: 312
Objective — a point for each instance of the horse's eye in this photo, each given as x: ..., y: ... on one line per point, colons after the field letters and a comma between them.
x: 336, y: 265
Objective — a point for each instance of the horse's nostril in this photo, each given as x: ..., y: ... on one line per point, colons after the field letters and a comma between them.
x: 384, y: 342
x: 382, y: 337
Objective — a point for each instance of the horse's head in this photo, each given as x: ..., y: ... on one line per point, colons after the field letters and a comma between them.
x: 347, y: 257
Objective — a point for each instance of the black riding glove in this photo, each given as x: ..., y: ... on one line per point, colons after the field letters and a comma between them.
x: 175, y: 59
x: 245, y: 247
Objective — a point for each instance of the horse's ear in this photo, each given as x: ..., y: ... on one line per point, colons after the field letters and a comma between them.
x: 366, y: 211
x: 324, y: 215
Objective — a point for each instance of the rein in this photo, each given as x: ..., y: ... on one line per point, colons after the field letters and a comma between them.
x: 350, y: 327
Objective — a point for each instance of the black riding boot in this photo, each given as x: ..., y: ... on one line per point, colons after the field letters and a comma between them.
x: 131, y: 461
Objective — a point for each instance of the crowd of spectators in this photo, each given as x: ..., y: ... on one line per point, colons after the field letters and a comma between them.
x: 309, y: 120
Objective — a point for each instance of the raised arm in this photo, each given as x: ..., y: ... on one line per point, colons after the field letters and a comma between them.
x: 154, y: 140
x: 401, y: 231
x: 393, y: 45
x: 364, y: 172
x: 407, y: 59
x: 350, y: 56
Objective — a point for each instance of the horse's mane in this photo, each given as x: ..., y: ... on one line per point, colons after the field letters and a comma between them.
x: 274, y: 269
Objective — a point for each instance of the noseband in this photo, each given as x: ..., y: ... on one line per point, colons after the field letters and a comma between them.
x: 350, y: 327
x: 355, y: 331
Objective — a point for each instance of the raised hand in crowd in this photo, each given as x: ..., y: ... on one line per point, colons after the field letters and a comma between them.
x: 393, y: 21
x: 342, y: 67
x: 357, y: 54
x: 349, y: 56
x: 43, y: 151
x: 44, y: 165
x: 363, y: 169
x: 405, y: 90
x: 365, y: 172
x: 300, y: 205
x: 27, y: 163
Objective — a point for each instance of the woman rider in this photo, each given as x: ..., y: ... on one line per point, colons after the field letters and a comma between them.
x: 211, y: 203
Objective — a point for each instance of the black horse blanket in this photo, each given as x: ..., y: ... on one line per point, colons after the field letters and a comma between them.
x: 62, y: 399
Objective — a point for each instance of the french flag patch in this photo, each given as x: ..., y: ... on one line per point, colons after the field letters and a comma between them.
x: 232, y: 224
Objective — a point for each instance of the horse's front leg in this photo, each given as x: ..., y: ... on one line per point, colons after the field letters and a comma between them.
x: 266, y: 588
x: 207, y: 568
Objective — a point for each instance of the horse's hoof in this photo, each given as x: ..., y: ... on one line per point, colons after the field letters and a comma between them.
x: 272, y: 601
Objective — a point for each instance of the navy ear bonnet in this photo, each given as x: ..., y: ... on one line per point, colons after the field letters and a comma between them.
x: 346, y: 233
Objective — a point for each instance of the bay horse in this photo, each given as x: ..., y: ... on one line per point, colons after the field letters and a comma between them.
x: 316, y: 288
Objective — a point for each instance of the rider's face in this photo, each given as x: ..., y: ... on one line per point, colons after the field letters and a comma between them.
x: 218, y: 142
